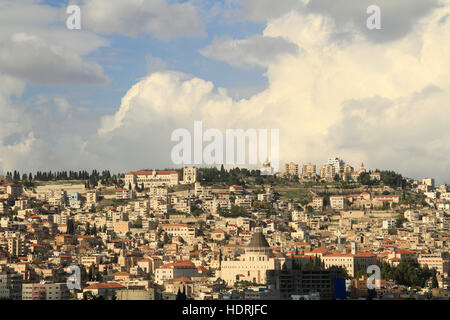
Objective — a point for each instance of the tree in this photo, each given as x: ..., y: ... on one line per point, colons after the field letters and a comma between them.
x: 434, y: 281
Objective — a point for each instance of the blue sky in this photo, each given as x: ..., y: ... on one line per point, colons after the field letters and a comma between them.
x: 124, y: 62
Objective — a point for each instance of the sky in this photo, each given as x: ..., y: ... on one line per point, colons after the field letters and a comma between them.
x: 109, y: 96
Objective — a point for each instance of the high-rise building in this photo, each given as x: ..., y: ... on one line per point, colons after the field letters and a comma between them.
x: 308, y: 171
x: 291, y: 169
x: 327, y: 171
x: 336, y: 163
x: 429, y: 182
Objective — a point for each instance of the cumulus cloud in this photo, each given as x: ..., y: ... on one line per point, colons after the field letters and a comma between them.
x: 29, y: 58
x: 35, y: 46
x: 398, y: 17
x: 254, y: 51
x: 385, y: 105
x: 157, y: 17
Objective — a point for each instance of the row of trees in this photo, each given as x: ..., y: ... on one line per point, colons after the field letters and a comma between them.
x: 92, y: 179
x: 408, y: 273
x: 389, y: 178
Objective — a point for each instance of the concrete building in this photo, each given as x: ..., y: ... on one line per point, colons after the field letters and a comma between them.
x: 291, y: 169
x: 327, y: 172
x: 309, y: 171
x: 317, y: 203
x: 337, y: 202
x: 285, y: 283
x: 10, y: 285
x: 336, y: 163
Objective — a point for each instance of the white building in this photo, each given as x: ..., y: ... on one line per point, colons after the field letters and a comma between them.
x: 149, y: 179
x: 337, y: 202
x: 174, y: 270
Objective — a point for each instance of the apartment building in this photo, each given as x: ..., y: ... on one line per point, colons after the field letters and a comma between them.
x: 327, y: 172
x: 317, y: 203
x: 291, y: 169
x: 125, y: 194
x: 10, y: 285
x: 308, y: 171
x: 337, y: 202
x: 180, y: 230
x: 434, y: 261
x: 91, y: 197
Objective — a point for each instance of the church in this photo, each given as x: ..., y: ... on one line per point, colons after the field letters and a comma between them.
x: 253, y: 264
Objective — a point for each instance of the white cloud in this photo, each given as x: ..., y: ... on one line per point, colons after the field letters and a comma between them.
x: 254, y: 51
x: 36, y: 46
x: 29, y: 58
x: 381, y: 104
x: 158, y: 17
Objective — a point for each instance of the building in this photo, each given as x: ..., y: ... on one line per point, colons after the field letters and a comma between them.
x: 434, y: 261
x: 253, y: 264
x: 428, y: 182
x: 34, y: 291
x: 390, y: 223
x: 150, y: 179
x: 136, y: 294
x: 375, y: 176
x: 91, y: 197
x: 10, y: 285
x: 180, y: 230
x: 336, y: 163
x: 189, y: 175
x: 291, y: 169
x: 125, y: 194
x: 351, y: 262
x: 327, y: 172
x: 175, y: 269
x: 317, y: 203
x: 308, y: 171
x: 16, y: 247
x: 337, y: 202
x: 106, y: 290
x: 285, y: 283
x: 56, y: 291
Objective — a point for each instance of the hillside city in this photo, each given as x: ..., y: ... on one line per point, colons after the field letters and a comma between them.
x: 215, y: 233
